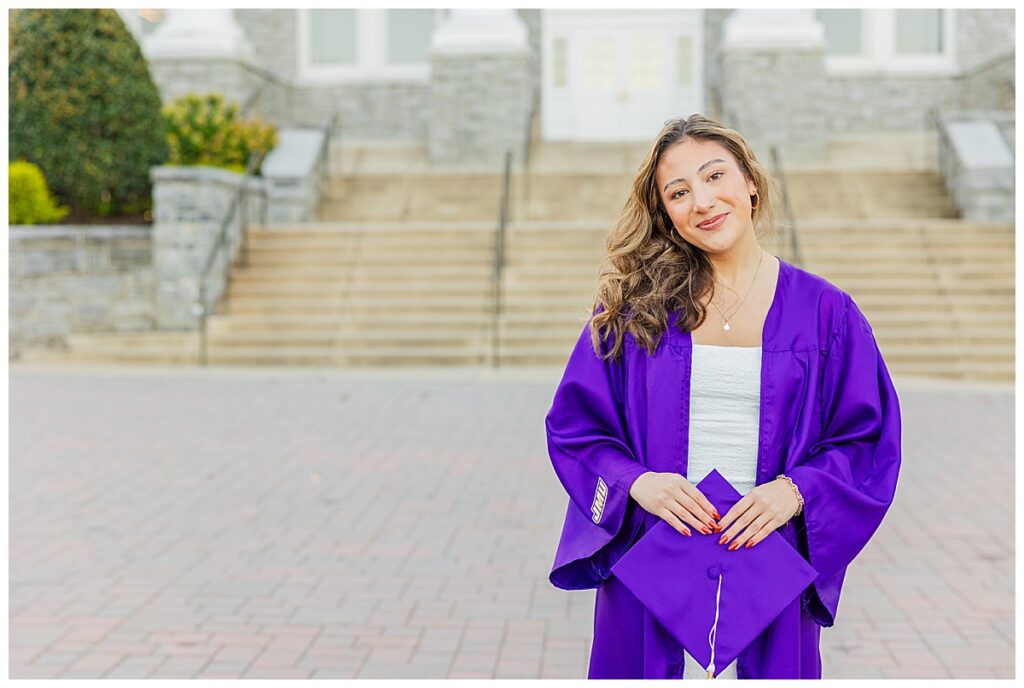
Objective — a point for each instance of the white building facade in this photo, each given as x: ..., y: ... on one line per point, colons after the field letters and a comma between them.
x: 467, y: 83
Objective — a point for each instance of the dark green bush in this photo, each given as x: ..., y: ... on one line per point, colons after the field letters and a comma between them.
x: 203, y: 130
x: 84, y: 108
x: 28, y: 200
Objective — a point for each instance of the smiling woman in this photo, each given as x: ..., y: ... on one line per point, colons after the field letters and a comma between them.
x: 663, y: 255
x: 780, y: 388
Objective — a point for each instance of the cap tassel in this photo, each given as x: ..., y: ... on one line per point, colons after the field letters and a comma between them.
x: 714, y: 628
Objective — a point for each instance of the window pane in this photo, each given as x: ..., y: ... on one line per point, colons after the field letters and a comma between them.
x: 645, y: 63
x: 598, y: 64
x: 409, y: 36
x: 685, y: 61
x: 561, y: 71
x: 842, y: 31
x: 333, y: 36
x: 918, y: 31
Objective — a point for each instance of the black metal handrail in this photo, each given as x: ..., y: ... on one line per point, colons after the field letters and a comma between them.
x: 524, y: 202
x: 794, y: 242
x: 325, y: 148
x: 499, y: 259
x: 202, y: 306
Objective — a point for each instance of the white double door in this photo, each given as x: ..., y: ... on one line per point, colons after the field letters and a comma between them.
x: 618, y: 75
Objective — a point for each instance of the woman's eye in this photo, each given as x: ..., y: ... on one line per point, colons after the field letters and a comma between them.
x: 713, y: 176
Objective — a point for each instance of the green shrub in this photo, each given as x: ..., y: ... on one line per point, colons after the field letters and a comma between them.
x: 84, y: 108
x: 203, y: 130
x: 28, y: 199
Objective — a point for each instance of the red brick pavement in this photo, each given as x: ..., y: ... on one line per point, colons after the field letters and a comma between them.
x: 282, y: 524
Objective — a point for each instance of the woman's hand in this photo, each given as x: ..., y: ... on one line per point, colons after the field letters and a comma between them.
x: 759, y: 513
x: 672, y: 497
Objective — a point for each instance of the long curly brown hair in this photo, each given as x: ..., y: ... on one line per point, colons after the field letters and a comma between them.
x: 649, y: 268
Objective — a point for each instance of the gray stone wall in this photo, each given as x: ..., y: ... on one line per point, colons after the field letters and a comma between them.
x: 385, y: 111
x: 773, y: 97
x: 189, y: 207
x: 977, y: 163
x: 713, y: 19
x: 66, y: 279
x: 369, y: 110
x: 532, y: 20
x: 861, y: 104
x: 236, y: 80
x: 983, y: 34
x: 479, y: 106
x: 272, y: 34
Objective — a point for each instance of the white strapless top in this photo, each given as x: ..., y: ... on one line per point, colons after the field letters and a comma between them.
x: 725, y: 406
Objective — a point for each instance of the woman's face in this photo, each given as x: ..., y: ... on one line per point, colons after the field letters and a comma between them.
x: 699, y: 180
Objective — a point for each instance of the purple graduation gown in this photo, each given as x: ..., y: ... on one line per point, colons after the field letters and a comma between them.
x: 829, y: 419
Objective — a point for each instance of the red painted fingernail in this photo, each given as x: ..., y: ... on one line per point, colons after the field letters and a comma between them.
x: 717, y: 517
x: 718, y: 528
x: 722, y: 539
x: 750, y: 544
x: 686, y: 532
x: 705, y: 530
x: 733, y: 546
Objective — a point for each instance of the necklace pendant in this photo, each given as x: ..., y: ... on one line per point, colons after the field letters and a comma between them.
x: 725, y: 327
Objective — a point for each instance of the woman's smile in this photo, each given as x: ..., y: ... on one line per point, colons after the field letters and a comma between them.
x: 713, y: 223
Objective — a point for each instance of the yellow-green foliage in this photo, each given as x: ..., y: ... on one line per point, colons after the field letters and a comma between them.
x: 83, y: 107
x: 203, y: 130
x: 28, y: 199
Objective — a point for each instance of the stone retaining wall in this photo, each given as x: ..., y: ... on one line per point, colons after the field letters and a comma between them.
x: 66, y: 279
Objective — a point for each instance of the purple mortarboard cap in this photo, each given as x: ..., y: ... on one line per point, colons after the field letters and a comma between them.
x: 712, y: 600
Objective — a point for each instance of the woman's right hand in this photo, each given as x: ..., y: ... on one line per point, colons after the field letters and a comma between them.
x: 672, y: 497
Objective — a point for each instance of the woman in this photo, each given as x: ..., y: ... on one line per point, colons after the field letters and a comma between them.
x: 704, y: 351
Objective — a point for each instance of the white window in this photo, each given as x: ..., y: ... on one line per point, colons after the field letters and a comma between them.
x: 363, y: 44
x: 888, y: 41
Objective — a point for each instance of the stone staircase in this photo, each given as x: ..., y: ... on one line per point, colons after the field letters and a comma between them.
x: 399, y: 271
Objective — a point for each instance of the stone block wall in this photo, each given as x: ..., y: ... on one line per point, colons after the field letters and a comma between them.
x: 854, y: 103
x: 189, y: 206
x: 370, y: 111
x: 479, y: 106
x: 772, y: 97
x: 393, y: 110
x: 236, y: 80
x: 66, y: 279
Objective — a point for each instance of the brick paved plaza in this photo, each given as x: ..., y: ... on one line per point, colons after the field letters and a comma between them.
x: 330, y: 524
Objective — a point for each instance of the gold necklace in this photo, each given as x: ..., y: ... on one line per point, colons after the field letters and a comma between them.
x: 726, y: 326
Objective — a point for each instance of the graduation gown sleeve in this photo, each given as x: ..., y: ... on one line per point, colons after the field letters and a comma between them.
x: 591, y: 455
x: 848, y: 478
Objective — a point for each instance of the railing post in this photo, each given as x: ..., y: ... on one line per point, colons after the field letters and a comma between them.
x: 794, y: 244
x: 499, y: 261
x: 200, y: 309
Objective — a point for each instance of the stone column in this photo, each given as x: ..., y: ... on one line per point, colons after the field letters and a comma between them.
x: 773, y: 81
x: 481, y: 93
x: 201, y: 51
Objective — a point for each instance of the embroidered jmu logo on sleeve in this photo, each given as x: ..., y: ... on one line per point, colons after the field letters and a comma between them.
x: 600, y: 496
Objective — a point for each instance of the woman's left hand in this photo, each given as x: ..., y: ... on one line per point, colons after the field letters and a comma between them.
x: 758, y: 513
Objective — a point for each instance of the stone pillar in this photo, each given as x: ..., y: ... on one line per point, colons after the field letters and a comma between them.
x: 201, y: 51
x: 189, y: 207
x: 481, y: 92
x: 773, y: 81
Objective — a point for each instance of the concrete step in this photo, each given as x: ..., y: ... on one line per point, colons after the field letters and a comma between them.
x: 318, y: 274
x: 329, y: 321
x: 358, y: 289
x: 385, y: 304
x: 392, y: 338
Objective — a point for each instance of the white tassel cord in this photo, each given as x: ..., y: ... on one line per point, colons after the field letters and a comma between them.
x: 714, y: 628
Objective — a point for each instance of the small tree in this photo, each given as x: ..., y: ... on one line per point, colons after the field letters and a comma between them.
x: 28, y: 200
x: 84, y: 108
